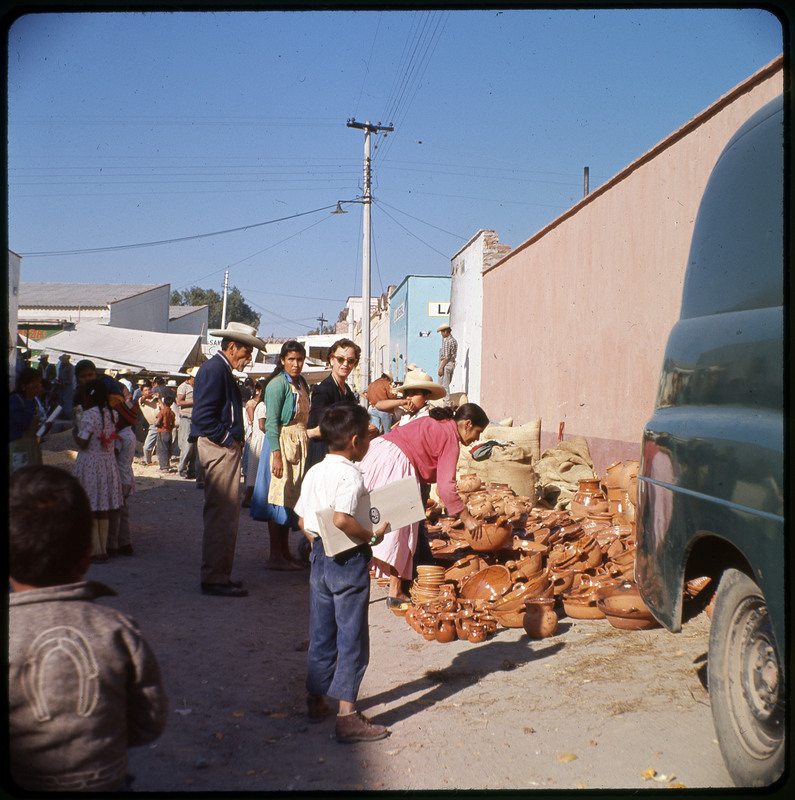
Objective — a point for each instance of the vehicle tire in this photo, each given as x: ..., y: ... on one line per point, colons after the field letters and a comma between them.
x: 746, y: 683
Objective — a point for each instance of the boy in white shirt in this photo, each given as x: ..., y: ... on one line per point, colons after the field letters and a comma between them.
x: 339, y: 586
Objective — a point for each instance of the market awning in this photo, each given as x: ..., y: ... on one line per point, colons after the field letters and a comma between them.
x: 127, y: 349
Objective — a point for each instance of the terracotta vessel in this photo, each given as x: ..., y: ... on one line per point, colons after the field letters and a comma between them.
x: 488, y: 584
x: 469, y: 483
x: 494, y: 536
x: 582, y: 605
x: 445, y: 627
x: 489, y: 621
x: 531, y: 564
x: 540, y: 619
x: 613, y: 475
x: 561, y: 581
x: 462, y: 622
x: 589, y: 498
x: 476, y: 632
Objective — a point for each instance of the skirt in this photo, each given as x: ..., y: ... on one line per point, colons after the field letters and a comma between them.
x: 386, y: 463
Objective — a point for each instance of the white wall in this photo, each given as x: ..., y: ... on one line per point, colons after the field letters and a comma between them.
x: 148, y: 311
x: 14, y: 265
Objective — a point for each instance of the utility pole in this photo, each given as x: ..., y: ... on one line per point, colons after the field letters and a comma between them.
x: 223, y: 308
x: 368, y: 128
x: 321, y: 319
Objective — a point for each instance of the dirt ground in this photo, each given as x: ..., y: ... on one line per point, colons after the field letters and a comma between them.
x: 590, y: 708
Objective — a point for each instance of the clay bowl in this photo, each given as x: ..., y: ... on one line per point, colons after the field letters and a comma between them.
x: 625, y: 609
x: 462, y: 568
x: 494, y: 536
x: 509, y: 615
x: 529, y: 546
x: 582, y: 605
x: 488, y: 584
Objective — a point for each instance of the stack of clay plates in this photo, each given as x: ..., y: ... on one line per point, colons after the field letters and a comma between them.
x: 426, y: 588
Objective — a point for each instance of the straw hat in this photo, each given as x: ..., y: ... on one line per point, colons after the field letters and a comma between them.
x: 417, y: 379
x: 172, y: 383
x: 240, y: 332
x: 443, y: 327
x: 193, y: 372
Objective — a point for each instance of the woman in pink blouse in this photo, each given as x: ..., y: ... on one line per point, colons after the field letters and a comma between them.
x: 427, y: 449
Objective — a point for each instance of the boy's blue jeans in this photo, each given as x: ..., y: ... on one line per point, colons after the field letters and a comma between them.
x: 339, y: 632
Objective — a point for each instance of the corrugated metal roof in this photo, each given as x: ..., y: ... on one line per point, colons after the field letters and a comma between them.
x: 175, y: 312
x: 79, y: 295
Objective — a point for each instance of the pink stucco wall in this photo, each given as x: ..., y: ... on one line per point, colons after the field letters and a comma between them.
x: 575, y: 320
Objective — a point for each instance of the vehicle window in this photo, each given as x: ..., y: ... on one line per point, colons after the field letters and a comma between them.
x: 736, y: 258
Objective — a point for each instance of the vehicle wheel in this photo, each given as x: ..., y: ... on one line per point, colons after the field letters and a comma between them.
x: 745, y: 681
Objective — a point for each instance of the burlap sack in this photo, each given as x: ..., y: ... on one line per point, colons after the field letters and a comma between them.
x: 560, y: 469
x: 527, y: 435
x: 512, y: 465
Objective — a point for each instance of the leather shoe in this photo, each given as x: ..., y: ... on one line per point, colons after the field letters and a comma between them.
x: 316, y: 707
x: 236, y: 584
x: 357, y: 728
x: 223, y: 590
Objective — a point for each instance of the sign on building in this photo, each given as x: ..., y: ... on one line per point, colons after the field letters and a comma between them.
x: 437, y: 308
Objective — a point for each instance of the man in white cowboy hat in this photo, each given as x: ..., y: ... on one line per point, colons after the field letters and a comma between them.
x: 217, y: 427
x: 447, y: 356
x: 187, y: 449
x: 417, y: 391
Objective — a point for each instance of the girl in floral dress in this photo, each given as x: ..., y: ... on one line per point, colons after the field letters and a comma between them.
x: 96, y: 466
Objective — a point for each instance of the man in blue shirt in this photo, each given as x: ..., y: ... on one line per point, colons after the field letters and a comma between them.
x: 217, y: 426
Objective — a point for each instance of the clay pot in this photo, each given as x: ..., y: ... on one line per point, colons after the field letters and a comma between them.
x: 627, y: 473
x: 481, y: 508
x: 489, y: 621
x: 469, y: 483
x: 561, y: 581
x: 488, y: 584
x: 613, y: 475
x: 582, y: 605
x: 462, y: 568
x: 494, y: 536
x: 445, y: 627
x: 476, y: 632
x: 531, y: 564
x: 411, y: 617
x: 540, y: 619
x: 510, y: 614
x: 589, y: 498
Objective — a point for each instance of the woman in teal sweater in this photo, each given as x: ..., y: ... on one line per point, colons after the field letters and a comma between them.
x: 284, y: 451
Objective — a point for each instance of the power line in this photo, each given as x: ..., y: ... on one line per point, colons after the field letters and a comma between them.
x: 171, y: 241
x: 410, y: 233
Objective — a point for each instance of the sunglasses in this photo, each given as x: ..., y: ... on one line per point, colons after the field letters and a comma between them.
x: 342, y: 360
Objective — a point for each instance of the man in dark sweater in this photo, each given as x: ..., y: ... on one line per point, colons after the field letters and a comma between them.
x: 217, y: 426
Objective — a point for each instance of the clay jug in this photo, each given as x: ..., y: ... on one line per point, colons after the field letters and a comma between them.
x: 589, y: 498
x: 445, y: 627
x: 540, y: 619
x: 476, y: 632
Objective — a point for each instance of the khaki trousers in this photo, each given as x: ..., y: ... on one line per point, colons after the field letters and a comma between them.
x: 221, y: 508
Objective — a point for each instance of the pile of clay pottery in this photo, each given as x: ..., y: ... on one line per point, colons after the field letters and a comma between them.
x: 425, y: 588
x: 449, y: 618
x: 532, y: 562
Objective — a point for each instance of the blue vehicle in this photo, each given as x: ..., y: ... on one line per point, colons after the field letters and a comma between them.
x: 711, y: 480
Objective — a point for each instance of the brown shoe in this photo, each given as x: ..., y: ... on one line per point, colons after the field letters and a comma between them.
x: 316, y: 707
x: 357, y: 728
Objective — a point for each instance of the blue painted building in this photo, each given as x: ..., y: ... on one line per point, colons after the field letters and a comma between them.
x: 417, y: 307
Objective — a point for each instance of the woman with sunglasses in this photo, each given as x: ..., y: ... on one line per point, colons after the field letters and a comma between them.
x: 343, y: 356
x: 284, y: 451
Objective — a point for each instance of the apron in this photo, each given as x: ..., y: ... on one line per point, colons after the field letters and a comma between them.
x: 293, y: 444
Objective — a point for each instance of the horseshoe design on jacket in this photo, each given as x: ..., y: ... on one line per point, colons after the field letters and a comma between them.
x: 71, y: 642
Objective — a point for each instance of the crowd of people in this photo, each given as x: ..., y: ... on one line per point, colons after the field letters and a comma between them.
x: 300, y: 451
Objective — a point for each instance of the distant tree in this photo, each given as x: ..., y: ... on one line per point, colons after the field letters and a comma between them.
x: 237, y: 310
x: 322, y: 329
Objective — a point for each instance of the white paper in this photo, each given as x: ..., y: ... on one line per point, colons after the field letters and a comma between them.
x: 51, y: 418
x: 397, y: 503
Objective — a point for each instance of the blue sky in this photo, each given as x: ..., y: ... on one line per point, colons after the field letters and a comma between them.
x: 136, y: 128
